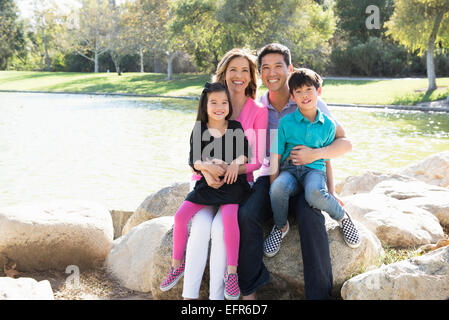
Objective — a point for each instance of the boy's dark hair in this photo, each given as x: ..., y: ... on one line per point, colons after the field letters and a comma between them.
x: 274, y: 48
x: 202, y: 105
x: 303, y: 76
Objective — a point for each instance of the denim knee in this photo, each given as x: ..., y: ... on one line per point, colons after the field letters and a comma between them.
x: 279, y: 191
x: 316, y: 198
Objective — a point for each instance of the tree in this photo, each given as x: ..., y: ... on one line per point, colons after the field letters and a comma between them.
x: 47, y: 24
x: 352, y: 17
x: 195, y: 25
x: 210, y: 28
x: 89, y: 33
x: 12, y: 36
x: 420, y: 25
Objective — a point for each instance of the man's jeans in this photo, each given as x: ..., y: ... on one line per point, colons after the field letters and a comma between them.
x: 289, y: 183
x: 253, y: 214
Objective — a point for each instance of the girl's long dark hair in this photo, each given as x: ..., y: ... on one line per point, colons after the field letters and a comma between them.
x: 202, y: 105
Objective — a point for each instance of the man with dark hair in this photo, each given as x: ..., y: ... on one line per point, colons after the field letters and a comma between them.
x: 275, y: 66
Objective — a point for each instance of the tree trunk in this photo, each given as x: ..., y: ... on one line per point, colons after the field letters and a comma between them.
x: 431, y: 76
x: 47, y: 58
x: 170, y: 55
x: 96, y: 62
x: 430, y: 47
x: 141, y: 59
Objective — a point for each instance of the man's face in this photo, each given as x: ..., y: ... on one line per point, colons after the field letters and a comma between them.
x: 274, y: 71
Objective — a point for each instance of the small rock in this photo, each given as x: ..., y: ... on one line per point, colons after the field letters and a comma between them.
x: 420, y: 278
x: 25, y: 289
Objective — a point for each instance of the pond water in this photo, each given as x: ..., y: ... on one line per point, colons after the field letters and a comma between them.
x: 118, y: 150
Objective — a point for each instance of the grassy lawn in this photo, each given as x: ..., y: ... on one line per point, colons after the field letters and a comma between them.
x: 404, y: 91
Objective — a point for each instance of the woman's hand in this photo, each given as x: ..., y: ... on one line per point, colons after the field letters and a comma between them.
x: 232, y: 173
x: 211, y: 181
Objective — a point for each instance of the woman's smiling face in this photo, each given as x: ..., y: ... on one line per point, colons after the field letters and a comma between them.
x: 238, y: 75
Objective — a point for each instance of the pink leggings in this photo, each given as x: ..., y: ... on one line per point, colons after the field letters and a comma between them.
x: 230, y: 227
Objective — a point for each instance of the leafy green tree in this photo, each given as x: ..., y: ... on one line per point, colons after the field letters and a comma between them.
x: 196, y: 29
x: 12, y: 35
x: 421, y: 25
x: 210, y: 28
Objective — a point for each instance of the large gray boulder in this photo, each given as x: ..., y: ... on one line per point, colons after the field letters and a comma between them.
x: 420, y: 278
x: 395, y: 223
x: 365, y: 182
x: 286, y: 267
x: 164, y: 202
x: 130, y: 260
x: 429, y: 197
x: 55, y: 235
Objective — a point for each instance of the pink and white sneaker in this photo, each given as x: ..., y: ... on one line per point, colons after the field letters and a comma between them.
x: 173, y: 277
x: 232, y: 290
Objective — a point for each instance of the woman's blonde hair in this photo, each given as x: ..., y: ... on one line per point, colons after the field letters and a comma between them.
x: 220, y: 74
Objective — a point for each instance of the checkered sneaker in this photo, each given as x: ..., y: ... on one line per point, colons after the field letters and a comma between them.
x: 231, y: 291
x: 173, y: 277
x: 350, y: 232
x: 272, y: 243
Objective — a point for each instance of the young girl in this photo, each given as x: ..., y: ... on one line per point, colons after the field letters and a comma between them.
x: 217, y: 145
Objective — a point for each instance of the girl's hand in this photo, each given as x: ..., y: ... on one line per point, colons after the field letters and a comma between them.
x: 220, y: 163
x: 232, y: 173
x: 215, y: 170
x: 211, y: 181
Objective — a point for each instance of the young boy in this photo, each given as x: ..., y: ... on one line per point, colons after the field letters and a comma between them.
x: 310, y: 127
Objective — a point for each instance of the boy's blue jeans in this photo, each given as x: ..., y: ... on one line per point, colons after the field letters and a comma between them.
x: 289, y: 183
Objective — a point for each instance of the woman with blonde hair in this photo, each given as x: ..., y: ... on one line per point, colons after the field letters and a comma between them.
x: 238, y: 71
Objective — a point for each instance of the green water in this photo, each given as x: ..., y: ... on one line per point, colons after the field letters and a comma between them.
x: 117, y: 150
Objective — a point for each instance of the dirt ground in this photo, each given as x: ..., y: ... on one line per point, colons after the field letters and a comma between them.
x: 93, y: 285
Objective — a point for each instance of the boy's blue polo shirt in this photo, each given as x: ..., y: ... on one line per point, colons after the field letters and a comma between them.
x: 295, y: 130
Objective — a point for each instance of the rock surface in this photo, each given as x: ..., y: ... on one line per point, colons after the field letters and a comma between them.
x: 286, y: 267
x: 165, y: 202
x: 395, y: 223
x: 420, y: 278
x: 366, y: 182
x: 25, y: 289
x: 130, y: 260
x: 419, y: 194
x: 432, y: 170
x: 55, y: 235
x: 119, y: 219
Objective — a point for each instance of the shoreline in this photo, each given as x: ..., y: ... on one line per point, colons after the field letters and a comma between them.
x: 433, y: 106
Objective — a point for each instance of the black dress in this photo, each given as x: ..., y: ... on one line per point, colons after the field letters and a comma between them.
x: 231, y: 145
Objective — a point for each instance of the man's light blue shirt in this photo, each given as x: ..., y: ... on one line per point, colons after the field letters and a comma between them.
x: 294, y: 129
